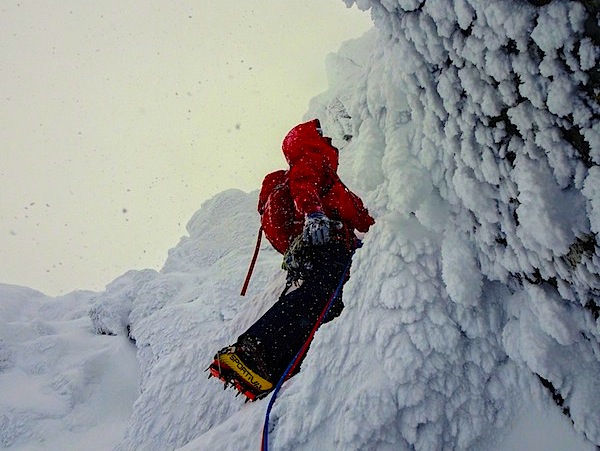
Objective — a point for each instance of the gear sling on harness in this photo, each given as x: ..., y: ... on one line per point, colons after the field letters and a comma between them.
x: 252, y: 263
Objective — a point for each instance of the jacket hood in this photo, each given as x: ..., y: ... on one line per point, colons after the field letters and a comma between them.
x: 304, y: 139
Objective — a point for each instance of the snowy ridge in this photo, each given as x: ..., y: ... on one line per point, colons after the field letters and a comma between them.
x: 470, y: 129
x: 182, y: 316
x: 61, y: 386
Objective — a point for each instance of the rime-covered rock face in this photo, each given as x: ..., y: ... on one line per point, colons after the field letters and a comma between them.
x: 503, y: 168
x: 506, y: 95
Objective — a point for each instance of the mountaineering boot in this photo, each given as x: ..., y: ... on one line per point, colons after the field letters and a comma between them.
x: 242, y: 367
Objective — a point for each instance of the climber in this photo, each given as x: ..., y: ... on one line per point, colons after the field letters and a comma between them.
x: 308, y: 215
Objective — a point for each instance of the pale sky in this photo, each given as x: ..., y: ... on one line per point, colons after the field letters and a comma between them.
x: 118, y: 118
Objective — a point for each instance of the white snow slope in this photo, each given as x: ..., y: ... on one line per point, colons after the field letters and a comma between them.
x: 470, y: 128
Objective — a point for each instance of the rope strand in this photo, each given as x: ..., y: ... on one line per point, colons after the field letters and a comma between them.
x: 252, y: 263
x: 294, y: 363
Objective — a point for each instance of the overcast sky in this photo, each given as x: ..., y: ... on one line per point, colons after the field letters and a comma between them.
x: 118, y: 118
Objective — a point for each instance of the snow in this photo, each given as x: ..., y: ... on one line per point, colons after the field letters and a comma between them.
x: 592, y: 192
x: 61, y: 385
x: 471, y: 316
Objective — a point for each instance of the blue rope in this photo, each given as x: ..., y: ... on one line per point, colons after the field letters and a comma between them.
x: 265, y: 437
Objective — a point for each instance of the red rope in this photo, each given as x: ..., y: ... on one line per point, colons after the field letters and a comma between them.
x: 252, y: 263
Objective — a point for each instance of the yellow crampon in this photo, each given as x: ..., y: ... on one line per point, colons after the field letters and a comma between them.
x: 233, y: 361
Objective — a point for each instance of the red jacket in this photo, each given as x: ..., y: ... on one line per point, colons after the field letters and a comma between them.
x: 314, y: 186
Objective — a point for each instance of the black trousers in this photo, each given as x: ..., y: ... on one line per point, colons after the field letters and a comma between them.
x: 284, y: 328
